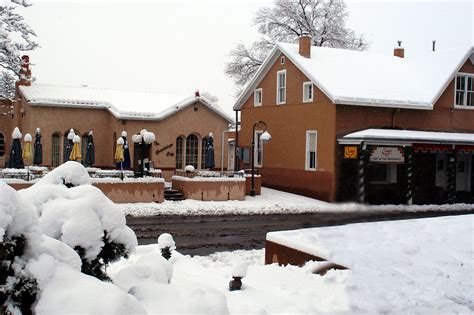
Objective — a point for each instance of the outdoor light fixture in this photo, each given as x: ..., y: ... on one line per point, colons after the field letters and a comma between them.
x: 265, y: 137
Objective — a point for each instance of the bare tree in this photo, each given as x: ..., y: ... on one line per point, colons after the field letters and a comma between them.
x: 285, y: 21
x: 15, y: 38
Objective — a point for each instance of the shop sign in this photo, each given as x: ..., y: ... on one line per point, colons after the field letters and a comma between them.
x: 350, y: 152
x: 387, y: 155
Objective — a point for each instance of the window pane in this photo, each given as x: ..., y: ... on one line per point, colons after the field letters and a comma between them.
x: 192, y: 150
x: 2, y: 144
x: 55, y: 142
x: 203, y: 153
x: 179, y: 153
x: 312, y: 159
x: 459, y: 98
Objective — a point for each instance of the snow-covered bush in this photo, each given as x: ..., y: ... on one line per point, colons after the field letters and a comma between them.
x: 82, y: 217
x: 189, y: 168
x: 166, y: 244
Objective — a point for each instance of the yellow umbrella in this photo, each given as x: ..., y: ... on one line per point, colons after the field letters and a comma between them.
x: 76, y: 154
x: 27, y: 152
x: 119, y: 151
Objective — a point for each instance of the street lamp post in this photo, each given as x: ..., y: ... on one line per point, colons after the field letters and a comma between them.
x: 265, y: 137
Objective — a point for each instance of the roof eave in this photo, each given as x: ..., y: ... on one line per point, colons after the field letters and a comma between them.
x: 401, y: 105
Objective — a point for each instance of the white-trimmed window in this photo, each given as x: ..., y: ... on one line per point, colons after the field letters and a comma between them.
x: 258, y: 149
x: 281, y: 87
x: 282, y: 60
x: 257, y: 97
x: 307, y: 92
x: 464, y: 90
x: 311, y: 150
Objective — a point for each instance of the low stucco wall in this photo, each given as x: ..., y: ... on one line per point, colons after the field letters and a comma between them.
x: 122, y: 192
x: 210, y: 189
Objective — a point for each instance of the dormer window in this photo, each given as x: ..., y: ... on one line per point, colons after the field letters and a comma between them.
x: 307, y: 92
x: 282, y: 60
x: 464, y: 92
x: 257, y: 97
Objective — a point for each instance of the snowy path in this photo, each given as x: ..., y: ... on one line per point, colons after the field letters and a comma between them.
x: 270, y: 202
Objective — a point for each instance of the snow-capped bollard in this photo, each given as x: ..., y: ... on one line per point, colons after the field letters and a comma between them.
x: 239, y: 270
x: 166, y: 244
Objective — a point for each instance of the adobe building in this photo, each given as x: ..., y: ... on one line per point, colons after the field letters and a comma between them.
x: 355, y: 126
x: 181, y: 124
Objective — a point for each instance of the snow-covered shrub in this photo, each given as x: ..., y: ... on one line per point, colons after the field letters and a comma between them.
x: 189, y: 168
x: 166, y: 244
x: 82, y: 217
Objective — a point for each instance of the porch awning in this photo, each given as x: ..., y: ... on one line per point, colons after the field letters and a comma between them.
x: 406, y: 137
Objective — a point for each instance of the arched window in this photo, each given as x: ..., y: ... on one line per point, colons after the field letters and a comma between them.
x: 84, y: 146
x: 2, y: 144
x: 203, y: 152
x: 179, y: 153
x: 55, y: 148
x: 192, y: 150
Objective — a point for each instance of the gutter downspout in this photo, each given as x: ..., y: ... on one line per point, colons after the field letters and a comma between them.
x: 236, y: 159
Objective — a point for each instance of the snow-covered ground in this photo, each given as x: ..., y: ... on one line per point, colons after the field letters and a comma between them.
x: 270, y: 202
x: 421, y: 266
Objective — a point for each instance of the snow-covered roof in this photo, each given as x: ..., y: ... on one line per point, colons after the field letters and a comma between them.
x: 362, y: 78
x: 130, y: 105
x: 406, y: 136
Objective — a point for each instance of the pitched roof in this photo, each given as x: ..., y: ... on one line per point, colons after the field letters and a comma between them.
x: 362, y: 78
x: 129, y: 105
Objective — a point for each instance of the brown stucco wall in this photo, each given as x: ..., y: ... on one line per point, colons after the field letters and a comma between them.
x: 284, y: 155
x: 197, y: 119
x: 122, y: 192
x: 206, y: 190
x: 6, y: 127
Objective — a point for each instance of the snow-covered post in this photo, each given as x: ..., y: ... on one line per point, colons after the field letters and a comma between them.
x: 239, y: 270
x: 409, y: 158
x: 166, y: 244
x: 361, y: 172
x: 451, y: 172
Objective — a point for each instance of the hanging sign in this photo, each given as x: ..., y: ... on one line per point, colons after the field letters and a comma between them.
x: 350, y: 152
x: 387, y: 155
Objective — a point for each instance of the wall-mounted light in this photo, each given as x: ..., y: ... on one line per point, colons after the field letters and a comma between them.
x: 22, y: 112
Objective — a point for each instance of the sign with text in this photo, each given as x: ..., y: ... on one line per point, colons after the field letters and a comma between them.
x: 350, y: 152
x: 387, y: 155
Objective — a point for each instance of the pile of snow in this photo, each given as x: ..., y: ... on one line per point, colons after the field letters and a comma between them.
x: 55, y: 266
x: 28, y: 138
x: 422, y: 266
x: 16, y: 134
x: 78, y: 216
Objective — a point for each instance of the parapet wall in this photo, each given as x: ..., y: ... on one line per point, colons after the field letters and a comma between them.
x: 209, y: 188
x: 122, y: 192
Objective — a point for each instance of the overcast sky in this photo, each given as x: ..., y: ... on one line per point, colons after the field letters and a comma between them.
x: 180, y: 46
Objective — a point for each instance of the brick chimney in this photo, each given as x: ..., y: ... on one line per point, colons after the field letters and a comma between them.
x: 399, y: 51
x: 305, y: 45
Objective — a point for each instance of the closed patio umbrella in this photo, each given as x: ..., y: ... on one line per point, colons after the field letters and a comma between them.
x: 126, y: 151
x: 209, y: 161
x: 118, y: 157
x: 16, y: 159
x: 90, y: 151
x: 68, y: 145
x: 76, y: 154
x: 26, y: 153
x: 38, y: 154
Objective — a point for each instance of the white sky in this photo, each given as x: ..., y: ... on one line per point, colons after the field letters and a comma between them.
x: 180, y: 46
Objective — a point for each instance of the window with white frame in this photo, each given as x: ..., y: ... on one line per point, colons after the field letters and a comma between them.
x: 257, y: 97
x: 281, y: 87
x: 311, y: 150
x: 307, y: 92
x: 464, y: 93
x: 258, y: 149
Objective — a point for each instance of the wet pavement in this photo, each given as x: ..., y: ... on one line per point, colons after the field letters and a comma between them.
x: 202, y: 235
